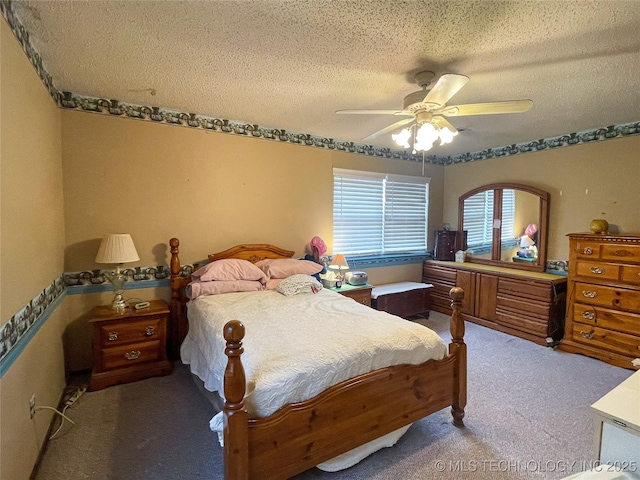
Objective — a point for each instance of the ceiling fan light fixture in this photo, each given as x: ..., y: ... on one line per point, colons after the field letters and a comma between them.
x: 402, y: 138
x: 426, y: 135
x: 446, y: 135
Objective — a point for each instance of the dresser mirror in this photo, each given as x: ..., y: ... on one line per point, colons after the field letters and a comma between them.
x: 506, y: 225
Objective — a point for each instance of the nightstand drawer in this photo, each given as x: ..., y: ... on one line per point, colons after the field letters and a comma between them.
x: 118, y: 357
x: 130, y: 331
x: 360, y: 296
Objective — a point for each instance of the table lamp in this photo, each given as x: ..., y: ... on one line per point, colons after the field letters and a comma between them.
x: 117, y: 248
x: 527, y: 245
x: 339, y: 263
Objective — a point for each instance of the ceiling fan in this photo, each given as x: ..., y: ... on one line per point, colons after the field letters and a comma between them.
x: 428, y: 107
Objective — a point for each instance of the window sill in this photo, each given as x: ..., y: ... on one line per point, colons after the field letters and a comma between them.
x: 357, y: 262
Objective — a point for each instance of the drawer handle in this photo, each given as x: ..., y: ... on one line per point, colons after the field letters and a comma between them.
x: 589, y: 315
x: 588, y: 251
x: 588, y: 335
x: 365, y: 302
x: 113, y: 336
x: 596, y: 270
x: 132, y: 355
x: 589, y: 293
x: 150, y: 331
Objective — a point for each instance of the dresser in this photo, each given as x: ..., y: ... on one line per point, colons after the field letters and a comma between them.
x: 446, y: 244
x: 129, y: 345
x: 529, y: 305
x: 603, y: 308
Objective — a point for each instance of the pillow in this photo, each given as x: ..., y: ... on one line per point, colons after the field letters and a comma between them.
x: 228, y: 270
x: 285, y: 267
x: 299, y: 283
x: 195, y: 289
x: 272, y: 283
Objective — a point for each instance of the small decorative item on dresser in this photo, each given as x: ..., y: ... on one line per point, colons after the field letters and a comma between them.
x: 129, y: 345
x: 599, y: 225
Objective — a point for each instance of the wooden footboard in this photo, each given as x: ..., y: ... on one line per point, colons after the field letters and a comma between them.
x: 302, y: 435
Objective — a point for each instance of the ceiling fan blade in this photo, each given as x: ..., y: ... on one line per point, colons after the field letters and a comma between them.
x: 373, y: 112
x: 443, y: 123
x: 512, y: 106
x: 390, y: 128
x: 445, y: 88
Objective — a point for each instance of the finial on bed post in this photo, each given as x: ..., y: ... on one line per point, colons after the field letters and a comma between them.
x: 236, y: 428
x: 458, y: 348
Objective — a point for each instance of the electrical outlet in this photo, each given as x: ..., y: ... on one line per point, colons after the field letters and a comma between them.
x: 32, y: 405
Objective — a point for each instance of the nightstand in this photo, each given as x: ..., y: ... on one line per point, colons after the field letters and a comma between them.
x: 129, y: 346
x: 360, y: 293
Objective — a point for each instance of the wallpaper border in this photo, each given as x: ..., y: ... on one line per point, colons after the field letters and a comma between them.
x: 73, y: 101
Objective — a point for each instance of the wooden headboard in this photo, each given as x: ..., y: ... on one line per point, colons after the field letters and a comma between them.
x: 253, y: 252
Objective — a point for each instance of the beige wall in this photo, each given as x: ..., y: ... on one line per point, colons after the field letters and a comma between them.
x: 211, y: 190
x: 31, y: 251
x: 595, y: 180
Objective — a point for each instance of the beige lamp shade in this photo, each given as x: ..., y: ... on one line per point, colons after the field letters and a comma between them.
x: 339, y: 262
x: 117, y: 248
x: 526, y: 241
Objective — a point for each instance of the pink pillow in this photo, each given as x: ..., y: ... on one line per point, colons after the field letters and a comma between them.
x: 195, y: 289
x: 285, y: 267
x: 273, y: 283
x: 228, y: 270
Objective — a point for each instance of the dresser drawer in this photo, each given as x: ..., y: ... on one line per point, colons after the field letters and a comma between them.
x: 530, y: 307
x: 132, y: 354
x: 525, y: 288
x: 120, y: 333
x: 587, y: 249
x: 605, y: 318
x: 437, y: 272
x: 606, y: 339
x: 621, y: 253
x: 631, y: 274
x: 599, y: 270
x: 523, y: 323
x: 607, y: 296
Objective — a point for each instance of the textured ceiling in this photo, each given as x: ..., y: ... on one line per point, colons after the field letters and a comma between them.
x: 292, y: 64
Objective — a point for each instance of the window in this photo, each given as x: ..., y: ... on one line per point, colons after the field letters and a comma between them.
x: 478, y: 217
x: 376, y: 213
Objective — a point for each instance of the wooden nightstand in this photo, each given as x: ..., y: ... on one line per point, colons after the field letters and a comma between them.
x: 129, y: 346
x: 360, y: 293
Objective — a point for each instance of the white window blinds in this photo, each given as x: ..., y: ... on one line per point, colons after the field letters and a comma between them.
x: 478, y: 217
x: 377, y: 213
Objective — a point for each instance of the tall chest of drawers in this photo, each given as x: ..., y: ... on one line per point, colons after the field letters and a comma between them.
x: 603, y: 308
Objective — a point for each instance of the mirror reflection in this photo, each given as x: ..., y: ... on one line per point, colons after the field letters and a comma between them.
x: 506, y: 225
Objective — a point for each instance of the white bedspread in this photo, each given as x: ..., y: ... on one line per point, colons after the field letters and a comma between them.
x: 296, y: 347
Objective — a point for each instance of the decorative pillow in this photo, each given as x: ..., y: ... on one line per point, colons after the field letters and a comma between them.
x: 285, y: 267
x: 300, y: 283
x: 195, y: 289
x: 228, y: 270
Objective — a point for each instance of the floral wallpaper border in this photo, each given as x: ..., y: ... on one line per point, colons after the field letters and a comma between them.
x: 30, y: 316
x: 104, y: 106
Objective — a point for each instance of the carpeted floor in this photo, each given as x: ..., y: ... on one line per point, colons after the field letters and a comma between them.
x: 527, y: 416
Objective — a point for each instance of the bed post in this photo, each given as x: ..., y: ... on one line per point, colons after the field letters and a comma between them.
x: 236, y: 418
x: 176, y: 307
x: 458, y: 348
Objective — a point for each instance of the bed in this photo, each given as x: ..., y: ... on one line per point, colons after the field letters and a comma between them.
x: 353, y: 412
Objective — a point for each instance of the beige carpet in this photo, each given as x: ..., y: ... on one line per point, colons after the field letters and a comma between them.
x: 528, y: 416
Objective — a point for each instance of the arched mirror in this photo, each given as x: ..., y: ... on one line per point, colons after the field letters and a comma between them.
x: 505, y: 225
